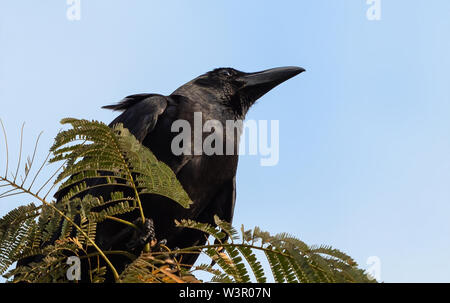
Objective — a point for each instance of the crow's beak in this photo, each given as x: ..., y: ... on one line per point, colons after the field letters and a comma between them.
x: 272, y: 76
x: 257, y: 84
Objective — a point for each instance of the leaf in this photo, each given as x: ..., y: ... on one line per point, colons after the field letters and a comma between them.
x: 113, y: 154
x: 15, y: 228
x: 97, y: 156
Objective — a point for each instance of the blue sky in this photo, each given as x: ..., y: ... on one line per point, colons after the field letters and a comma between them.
x: 364, y: 133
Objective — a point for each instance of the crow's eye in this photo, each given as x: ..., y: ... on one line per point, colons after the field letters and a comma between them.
x: 226, y: 73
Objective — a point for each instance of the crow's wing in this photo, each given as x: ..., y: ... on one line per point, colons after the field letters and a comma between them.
x: 140, y: 113
x: 225, y: 201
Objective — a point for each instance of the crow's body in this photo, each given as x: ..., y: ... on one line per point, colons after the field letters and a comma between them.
x: 210, y: 181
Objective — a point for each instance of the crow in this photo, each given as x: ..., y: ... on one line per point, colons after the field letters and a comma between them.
x: 223, y: 94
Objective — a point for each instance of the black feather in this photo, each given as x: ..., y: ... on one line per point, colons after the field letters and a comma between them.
x: 129, y: 101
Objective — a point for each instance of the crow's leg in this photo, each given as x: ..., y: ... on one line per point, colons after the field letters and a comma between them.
x: 131, y: 238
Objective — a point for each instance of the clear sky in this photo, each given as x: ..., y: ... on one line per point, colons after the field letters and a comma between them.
x: 364, y: 133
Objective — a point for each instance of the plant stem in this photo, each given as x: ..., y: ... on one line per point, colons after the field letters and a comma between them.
x: 123, y: 222
x: 190, y: 249
x: 112, y: 252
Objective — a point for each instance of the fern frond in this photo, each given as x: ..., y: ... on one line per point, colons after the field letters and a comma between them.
x: 15, y: 227
x: 150, y: 269
x: 218, y: 276
x: 290, y: 259
x: 227, y: 228
x: 225, y: 263
x: 204, y: 227
x: 275, y: 265
x: 98, y: 274
x: 254, y: 264
x: 287, y: 270
x: 117, y: 152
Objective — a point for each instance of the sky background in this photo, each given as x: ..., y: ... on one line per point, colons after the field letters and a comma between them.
x: 364, y: 133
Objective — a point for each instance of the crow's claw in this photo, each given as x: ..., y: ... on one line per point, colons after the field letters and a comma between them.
x: 156, y: 245
x: 143, y: 236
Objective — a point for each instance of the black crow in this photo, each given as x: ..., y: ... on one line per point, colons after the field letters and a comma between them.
x: 210, y: 180
x: 224, y: 94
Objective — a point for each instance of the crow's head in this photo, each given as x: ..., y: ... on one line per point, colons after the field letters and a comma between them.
x: 237, y: 89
